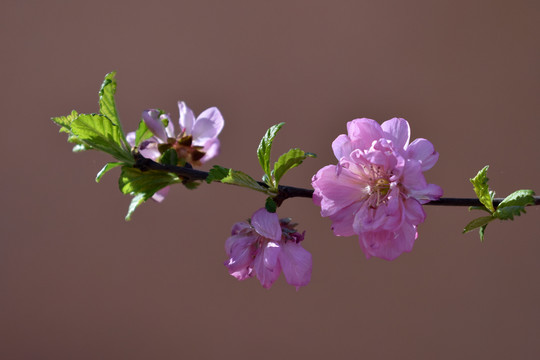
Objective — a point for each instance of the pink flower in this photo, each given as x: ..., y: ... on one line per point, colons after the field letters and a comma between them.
x: 377, y: 189
x: 195, y: 143
x: 265, y: 247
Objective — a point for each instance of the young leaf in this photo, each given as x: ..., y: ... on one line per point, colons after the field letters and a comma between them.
x: 287, y: 161
x: 234, y: 177
x: 133, y: 180
x: 478, y: 222
x: 217, y: 173
x: 65, y: 121
x: 142, y: 185
x: 514, y: 204
x: 107, y: 105
x: 270, y: 205
x: 481, y: 232
x: 142, y: 133
x: 107, y: 168
x: 100, y: 133
x: 265, y: 146
x: 480, y: 183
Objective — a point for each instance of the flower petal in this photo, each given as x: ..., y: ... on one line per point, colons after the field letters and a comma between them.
x: 296, y: 263
x: 423, y: 151
x: 336, y: 191
x: 397, y: 130
x: 186, y: 118
x: 240, y: 250
x: 266, y: 274
x: 211, y: 149
x: 159, y: 195
x: 388, y: 245
x: 204, y: 130
x: 151, y: 119
x: 266, y: 224
x: 342, y: 147
x: 363, y: 132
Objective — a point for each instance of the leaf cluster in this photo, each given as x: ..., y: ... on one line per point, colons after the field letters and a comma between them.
x: 271, y: 177
x: 513, y: 205
x: 104, y: 132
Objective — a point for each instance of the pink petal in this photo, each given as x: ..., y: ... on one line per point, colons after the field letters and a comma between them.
x: 267, y: 275
x: 241, y: 252
x: 159, y: 195
x: 266, y: 224
x: 342, y: 147
x: 363, y: 132
x: 130, y: 137
x: 186, y: 118
x: 204, y: 130
x: 388, y: 245
x: 423, y: 151
x: 169, y: 130
x: 214, y: 115
x: 414, y: 212
x: 211, y: 149
x: 337, y: 191
x: 398, y: 131
x: 343, y: 219
x: 296, y: 264
x: 151, y: 119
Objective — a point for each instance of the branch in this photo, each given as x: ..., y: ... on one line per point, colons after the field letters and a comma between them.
x: 286, y: 192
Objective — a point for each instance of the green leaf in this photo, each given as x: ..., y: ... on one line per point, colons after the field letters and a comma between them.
x: 107, y: 168
x: 137, y: 200
x: 65, y: 121
x: 480, y: 183
x: 481, y: 232
x: 234, y: 177
x: 270, y: 205
x: 143, y: 184
x: 142, y: 133
x: 169, y: 157
x: 217, y: 173
x: 107, y: 105
x: 100, y: 133
x: 514, y: 204
x: 478, y: 222
x: 289, y: 160
x: 265, y: 147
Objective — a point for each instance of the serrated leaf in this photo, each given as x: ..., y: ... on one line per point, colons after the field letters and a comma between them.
x: 142, y: 133
x: 480, y: 183
x: 287, y: 161
x: 270, y: 205
x: 478, y: 222
x: 65, y: 121
x: 100, y: 133
x: 143, y: 184
x: 514, y: 204
x: 106, y: 169
x: 265, y: 147
x: 133, y: 180
x: 107, y: 105
x: 217, y: 173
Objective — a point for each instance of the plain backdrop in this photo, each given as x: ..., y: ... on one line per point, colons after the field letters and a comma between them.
x: 79, y: 282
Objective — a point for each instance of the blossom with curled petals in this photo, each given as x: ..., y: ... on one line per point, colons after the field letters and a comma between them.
x: 265, y: 246
x: 195, y: 143
x: 377, y: 189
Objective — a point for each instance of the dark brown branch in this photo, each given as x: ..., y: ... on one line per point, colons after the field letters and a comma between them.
x: 286, y: 192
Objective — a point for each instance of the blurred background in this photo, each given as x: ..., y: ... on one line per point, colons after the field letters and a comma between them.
x: 79, y: 282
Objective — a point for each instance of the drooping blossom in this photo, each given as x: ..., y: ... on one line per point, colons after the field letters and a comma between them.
x: 377, y: 189
x: 195, y: 142
x: 265, y: 246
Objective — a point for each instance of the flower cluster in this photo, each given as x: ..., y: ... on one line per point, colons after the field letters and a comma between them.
x: 195, y: 143
x: 264, y: 247
x: 377, y: 189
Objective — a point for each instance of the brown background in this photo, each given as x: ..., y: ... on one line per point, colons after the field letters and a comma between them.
x: 78, y: 282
